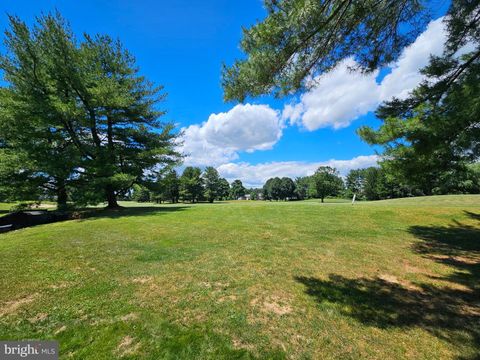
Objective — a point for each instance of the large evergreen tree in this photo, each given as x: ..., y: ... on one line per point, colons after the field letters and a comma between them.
x: 91, y: 119
x: 34, y: 106
x: 191, y: 184
x: 211, y: 181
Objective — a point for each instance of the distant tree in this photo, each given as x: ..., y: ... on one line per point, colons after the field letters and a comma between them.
x: 327, y: 182
x: 167, y: 187
x: 287, y: 188
x: 354, y: 183
x: 171, y: 184
x: 471, y: 184
x: 301, y: 187
x: 237, y: 190
x: 267, y: 192
x: 254, y: 193
x: 191, y: 184
x: 374, y: 183
x: 273, y: 189
x: 140, y: 193
x: 223, y: 189
x: 211, y: 181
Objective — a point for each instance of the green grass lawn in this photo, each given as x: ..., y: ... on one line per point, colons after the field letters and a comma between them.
x: 5, y: 207
x: 383, y: 280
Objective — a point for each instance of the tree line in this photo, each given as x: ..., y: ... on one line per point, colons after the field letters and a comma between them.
x: 373, y: 183
x: 192, y: 185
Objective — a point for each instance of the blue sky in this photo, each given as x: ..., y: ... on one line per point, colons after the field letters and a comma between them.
x: 182, y: 44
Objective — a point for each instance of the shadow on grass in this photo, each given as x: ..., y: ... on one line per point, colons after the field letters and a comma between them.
x: 129, y: 211
x: 450, y: 313
x: 24, y: 221
x: 457, y: 246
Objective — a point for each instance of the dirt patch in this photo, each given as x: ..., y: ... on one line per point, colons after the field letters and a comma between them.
x: 62, y: 285
x: 127, y: 347
x: 60, y: 330
x: 126, y: 342
x: 276, y: 308
x: 227, y: 298
x: 239, y: 344
x: 38, y: 317
x: 215, y: 286
x: 11, y: 307
x: 142, y: 279
x: 274, y: 305
x: 389, y: 278
x: 129, y: 317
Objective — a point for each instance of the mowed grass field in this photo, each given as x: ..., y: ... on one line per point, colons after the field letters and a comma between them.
x: 298, y: 280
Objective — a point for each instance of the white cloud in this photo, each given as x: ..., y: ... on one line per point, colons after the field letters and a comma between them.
x: 405, y: 75
x: 257, y: 175
x: 293, y: 113
x: 341, y: 96
x: 200, y: 152
x: 243, y: 128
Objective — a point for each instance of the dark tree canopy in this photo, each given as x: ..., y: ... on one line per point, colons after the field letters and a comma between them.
x: 211, y: 180
x: 279, y: 189
x: 168, y: 187
x: 237, y: 190
x: 223, y: 189
x: 300, y: 38
x: 191, y: 184
x: 327, y: 182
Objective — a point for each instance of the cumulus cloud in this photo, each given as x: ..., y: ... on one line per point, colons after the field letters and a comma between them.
x: 341, y: 96
x: 405, y: 75
x: 200, y: 152
x: 220, y: 138
x: 257, y: 175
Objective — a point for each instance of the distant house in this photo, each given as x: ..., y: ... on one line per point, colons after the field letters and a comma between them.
x: 245, y: 197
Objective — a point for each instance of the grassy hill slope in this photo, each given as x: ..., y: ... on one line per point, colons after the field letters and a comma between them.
x: 391, y: 279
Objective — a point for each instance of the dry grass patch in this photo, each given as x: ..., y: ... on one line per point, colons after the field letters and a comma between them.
x: 13, y: 306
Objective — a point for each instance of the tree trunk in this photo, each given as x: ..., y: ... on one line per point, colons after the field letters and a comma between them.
x: 322, y: 199
x: 61, y: 195
x: 111, y: 198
